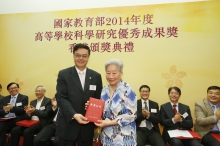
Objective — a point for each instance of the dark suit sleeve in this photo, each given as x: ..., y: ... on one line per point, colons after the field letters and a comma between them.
x: 62, y: 97
x: 99, y: 87
x: 165, y: 121
x: 20, y: 109
x: 140, y: 116
x: 4, y: 103
x: 43, y: 113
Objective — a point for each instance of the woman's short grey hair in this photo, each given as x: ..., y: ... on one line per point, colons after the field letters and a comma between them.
x: 116, y: 62
x: 42, y: 87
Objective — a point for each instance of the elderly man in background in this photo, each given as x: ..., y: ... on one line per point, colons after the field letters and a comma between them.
x: 207, y: 113
x: 39, y: 110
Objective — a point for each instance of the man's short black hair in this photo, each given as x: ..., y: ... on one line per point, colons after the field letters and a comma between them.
x: 77, y: 46
x: 144, y: 86
x: 9, y: 85
x: 175, y: 88
x: 213, y: 88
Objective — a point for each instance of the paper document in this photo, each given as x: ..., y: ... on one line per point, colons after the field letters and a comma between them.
x: 178, y: 133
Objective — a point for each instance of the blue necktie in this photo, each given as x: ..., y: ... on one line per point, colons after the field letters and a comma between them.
x: 148, y: 124
x: 13, y: 104
x: 218, y: 123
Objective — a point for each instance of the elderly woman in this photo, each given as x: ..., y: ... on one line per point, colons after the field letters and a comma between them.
x: 120, y: 111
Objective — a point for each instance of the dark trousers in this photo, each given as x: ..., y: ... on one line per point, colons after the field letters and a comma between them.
x: 64, y: 142
x: 28, y: 134
x: 151, y: 137
x: 43, y: 138
x: 6, y: 127
x: 209, y: 140
x: 184, y: 142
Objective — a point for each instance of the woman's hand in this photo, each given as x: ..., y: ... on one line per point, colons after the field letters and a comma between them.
x: 105, y: 123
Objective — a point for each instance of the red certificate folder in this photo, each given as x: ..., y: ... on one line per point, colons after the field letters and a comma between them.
x: 94, y: 109
x: 194, y: 136
x: 27, y: 123
x: 216, y: 136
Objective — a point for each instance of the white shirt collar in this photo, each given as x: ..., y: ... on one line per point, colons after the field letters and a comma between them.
x: 177, y: 104
x: 15, y: 96
x: 84, y: 71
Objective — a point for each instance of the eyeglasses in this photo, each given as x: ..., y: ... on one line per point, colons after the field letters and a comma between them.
x: 36, y: 91
x: 175, y: 93
x: 12, y: 88
x: 84, y: 56
x: 145, y: 91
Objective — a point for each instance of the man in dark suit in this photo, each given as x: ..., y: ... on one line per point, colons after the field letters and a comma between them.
x: 39, y: 110
x: 208, y: 117
x: 12, y: 106
x: 147, y: 120
x: 75, y: 85
x: 43, y: 138
x: 175, y: 115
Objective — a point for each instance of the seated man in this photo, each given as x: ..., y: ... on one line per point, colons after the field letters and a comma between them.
x: 208, y: 117
x: 148, y: 119
x: 12, y: 105
x: 43, y: 138
x: 39, y: 109
x: 175, y: 115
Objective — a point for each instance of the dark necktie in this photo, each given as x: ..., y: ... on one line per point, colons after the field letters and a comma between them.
x: 58, y: 115
x: 174, y: 109
x: 148, y: 123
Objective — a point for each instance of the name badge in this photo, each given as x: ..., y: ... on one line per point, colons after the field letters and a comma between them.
x: 185, y: 115
x: 92, y: 87
x: 153, y: 110
x: 19, y: 104
x: 42, y: 108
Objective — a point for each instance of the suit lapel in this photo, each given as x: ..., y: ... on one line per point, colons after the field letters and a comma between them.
x: 35, y: 103
x: 88, y: 79
x: 17, y: 100
x: 180, y: 108
x: 150, y: 104
x: 139, y: 105
x: 75, y: 78
x: 9, y: 98
x: 42, y: 103
x: 208, y: 107
x: 170, y: 109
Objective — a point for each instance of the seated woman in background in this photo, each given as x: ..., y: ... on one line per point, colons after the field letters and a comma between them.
x: 120, y: 111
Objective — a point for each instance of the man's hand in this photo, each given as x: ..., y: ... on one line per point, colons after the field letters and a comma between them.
x: 6, y: 109
x: 80, y: 119
x: 54, y: 102
x: 177, y: 117
x: 29, y: 109
x: 145, y: 113
x: 217, y: 114
x: 10, y: 106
